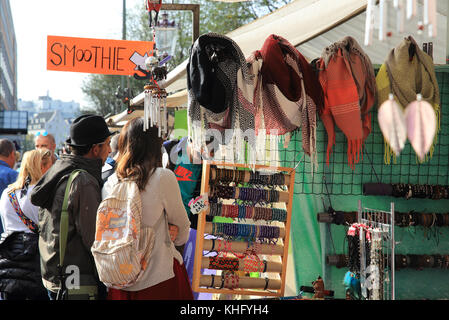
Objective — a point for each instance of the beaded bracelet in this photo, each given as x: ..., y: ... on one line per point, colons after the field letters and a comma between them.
x: 266, y: 283
x: 242, y: 212
x: 212, y: 283
x: 231, y: 281
x: 252, y: 263
x: 223, y: 263
x: 245, y: 230
x: 438, y: 261
x: 222, y: 280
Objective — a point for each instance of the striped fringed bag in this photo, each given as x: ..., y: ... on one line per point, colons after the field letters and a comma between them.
x: 122, y: 247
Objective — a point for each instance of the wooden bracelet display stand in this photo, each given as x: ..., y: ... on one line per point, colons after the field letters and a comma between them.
x: 271, y: 258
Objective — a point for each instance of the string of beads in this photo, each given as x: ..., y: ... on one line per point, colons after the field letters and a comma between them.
x: 250, y: 263
x: 248, y: 194
x: 242, y: 212
x: 247, y: 231
x: 255, y: 177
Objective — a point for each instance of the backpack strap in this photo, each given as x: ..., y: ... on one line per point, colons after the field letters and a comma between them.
x: 27, y: 221
x: 91, y: 291
x: 64, y: 222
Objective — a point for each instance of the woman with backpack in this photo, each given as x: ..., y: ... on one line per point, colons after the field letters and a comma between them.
x: 20, y: 273
x: 140, y: 159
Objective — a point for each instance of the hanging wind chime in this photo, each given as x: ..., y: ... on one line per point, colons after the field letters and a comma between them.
x: 155, y: 97
x: 405, y: 9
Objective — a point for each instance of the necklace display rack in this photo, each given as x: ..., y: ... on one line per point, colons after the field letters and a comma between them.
x: 371, y: 246
x: 259, y: 202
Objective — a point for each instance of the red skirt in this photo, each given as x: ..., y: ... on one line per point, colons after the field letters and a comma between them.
x: 176, y: 288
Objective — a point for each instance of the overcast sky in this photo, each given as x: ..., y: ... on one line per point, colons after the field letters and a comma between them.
x: 34, y: 20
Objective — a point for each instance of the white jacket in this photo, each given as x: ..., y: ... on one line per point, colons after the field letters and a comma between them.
x: 9, y: 218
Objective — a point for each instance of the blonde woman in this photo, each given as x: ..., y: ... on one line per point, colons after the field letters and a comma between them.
x: 19, y: 241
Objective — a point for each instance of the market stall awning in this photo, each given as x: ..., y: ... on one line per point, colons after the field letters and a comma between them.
x: 311, y: 25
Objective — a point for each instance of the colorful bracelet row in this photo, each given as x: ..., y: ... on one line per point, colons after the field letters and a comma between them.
x: 230, y: 280
x: 249, y: 263
x: 245, y: 212
x: 255, y: 177
x: 247, y: 194
x: 247, y: 231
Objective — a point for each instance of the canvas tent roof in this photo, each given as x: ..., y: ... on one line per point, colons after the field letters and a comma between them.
x: 310, y: 25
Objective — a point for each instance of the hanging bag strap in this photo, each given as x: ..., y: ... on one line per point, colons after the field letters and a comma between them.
x: 27, y: 221
x: 92, y: 291
x: 64, y: 222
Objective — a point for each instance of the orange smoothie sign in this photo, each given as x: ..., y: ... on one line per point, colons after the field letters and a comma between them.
x: 119, y: 57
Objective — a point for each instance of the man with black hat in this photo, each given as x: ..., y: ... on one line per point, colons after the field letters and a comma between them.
x: 89, y: 143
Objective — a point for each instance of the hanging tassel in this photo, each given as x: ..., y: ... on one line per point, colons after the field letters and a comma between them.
x: 369, y: 22
x: 164, y: 106
x: 432, y: 17
x: 400, y: 15
x: 150, y: 110
x: 158, y: 112
x: 146, y: 106
x: 383, y: 17
x: 411, y: 9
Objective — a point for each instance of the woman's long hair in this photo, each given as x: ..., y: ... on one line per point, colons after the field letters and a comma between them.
x: 31, y: 168
x: 140, y: 152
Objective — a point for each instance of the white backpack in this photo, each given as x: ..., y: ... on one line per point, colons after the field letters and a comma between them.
x: 122, y: 248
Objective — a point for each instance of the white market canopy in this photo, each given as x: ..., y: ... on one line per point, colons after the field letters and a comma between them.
x: 310, y: 25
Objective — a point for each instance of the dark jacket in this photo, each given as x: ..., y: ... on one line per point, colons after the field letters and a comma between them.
x: 20, y: 273
x: 84, y: 198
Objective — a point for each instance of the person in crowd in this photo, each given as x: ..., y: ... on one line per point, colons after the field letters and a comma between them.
x: 89, y: 142
x: 46, y: 140
x: 140, y: 159
x: 7, y: 160
x: 186, y: 163
x: 111, y: 161
x: 20, y: 273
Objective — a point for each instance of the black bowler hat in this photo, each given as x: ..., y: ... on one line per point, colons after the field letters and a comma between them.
x: 87, y: 130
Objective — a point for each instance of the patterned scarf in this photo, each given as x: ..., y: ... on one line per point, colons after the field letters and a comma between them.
x: 287, y: 91
x: 217, y: 75
x: 406, y: 72
x: 347, y: 78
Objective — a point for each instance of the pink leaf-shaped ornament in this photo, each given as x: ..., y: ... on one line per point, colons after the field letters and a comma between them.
x: 392, y: 124
x: 421, y: 126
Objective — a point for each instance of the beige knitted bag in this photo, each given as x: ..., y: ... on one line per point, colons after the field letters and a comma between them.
x: 122, y: 248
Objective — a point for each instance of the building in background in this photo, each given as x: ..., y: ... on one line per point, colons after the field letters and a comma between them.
x: 8, y: 59
x: 52, y: 116
x: 52, y: 122
x: 13, y: 123
x: 69, y: 110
